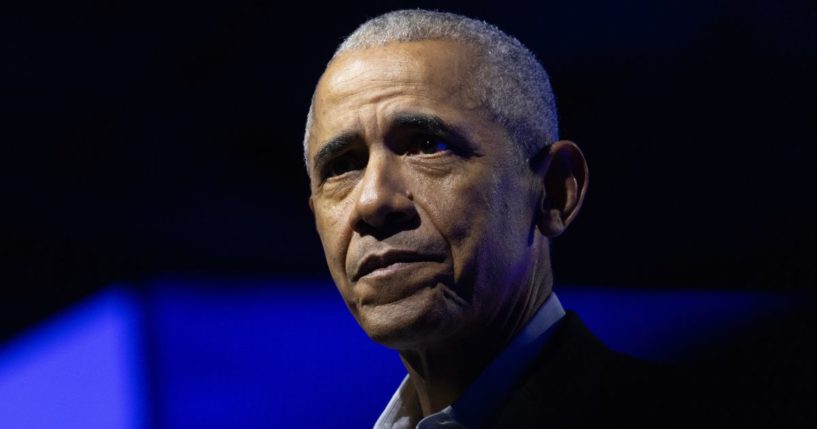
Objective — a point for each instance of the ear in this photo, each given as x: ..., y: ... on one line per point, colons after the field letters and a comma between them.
x: 563, y: 170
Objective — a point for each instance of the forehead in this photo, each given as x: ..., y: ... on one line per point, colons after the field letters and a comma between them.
x: 434, y: 64
x: 428, y: 76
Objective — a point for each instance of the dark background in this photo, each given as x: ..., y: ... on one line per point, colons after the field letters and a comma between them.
x: 142, y: 138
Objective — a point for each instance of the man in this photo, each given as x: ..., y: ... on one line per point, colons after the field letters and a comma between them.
x: 437, y: 182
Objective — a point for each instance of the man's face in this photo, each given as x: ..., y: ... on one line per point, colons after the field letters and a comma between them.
x: 425, y: 211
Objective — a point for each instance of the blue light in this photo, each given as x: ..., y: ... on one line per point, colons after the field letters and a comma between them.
x: 80, y: 370
x: 283, y: 353
x: 669, y: 324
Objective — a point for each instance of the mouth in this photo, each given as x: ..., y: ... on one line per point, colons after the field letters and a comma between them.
x: 391, y: 259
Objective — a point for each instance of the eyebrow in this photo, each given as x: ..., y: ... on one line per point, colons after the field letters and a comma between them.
x: 430, y: 123
x: 334, y: 147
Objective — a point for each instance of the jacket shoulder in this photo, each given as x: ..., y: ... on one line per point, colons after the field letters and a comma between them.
x: 577, y: 381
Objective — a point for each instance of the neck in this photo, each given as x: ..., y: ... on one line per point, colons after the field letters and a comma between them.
x: 441, y: 373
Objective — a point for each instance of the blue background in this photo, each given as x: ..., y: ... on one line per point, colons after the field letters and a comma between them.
x: 194, y: 353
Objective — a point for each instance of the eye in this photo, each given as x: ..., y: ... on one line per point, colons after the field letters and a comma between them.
x: 341, y: 165
x: 427, y: 144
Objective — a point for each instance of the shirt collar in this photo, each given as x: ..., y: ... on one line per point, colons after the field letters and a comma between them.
x: 482, y: 400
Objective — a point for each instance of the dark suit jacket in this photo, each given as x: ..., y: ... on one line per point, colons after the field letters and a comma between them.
x: 578, y: 382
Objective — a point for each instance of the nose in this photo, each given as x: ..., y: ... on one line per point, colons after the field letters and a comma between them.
x: 384, y: 204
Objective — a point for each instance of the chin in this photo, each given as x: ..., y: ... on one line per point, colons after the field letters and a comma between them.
x: 417, y: 321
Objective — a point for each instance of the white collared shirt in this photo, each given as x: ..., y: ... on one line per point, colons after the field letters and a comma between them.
x: 482, y: 398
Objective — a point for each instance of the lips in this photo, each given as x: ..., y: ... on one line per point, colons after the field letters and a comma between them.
x: 374, y: 262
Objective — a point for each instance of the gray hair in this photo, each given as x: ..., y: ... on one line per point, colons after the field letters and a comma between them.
x: 508, y: 79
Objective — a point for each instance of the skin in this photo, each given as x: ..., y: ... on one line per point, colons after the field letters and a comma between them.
x: 435, y: 230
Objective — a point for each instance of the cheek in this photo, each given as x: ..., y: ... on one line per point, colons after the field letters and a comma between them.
x: 485, y: 222
x: 463, y: 202
x: 331, y: 224
x: 464, y: 213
